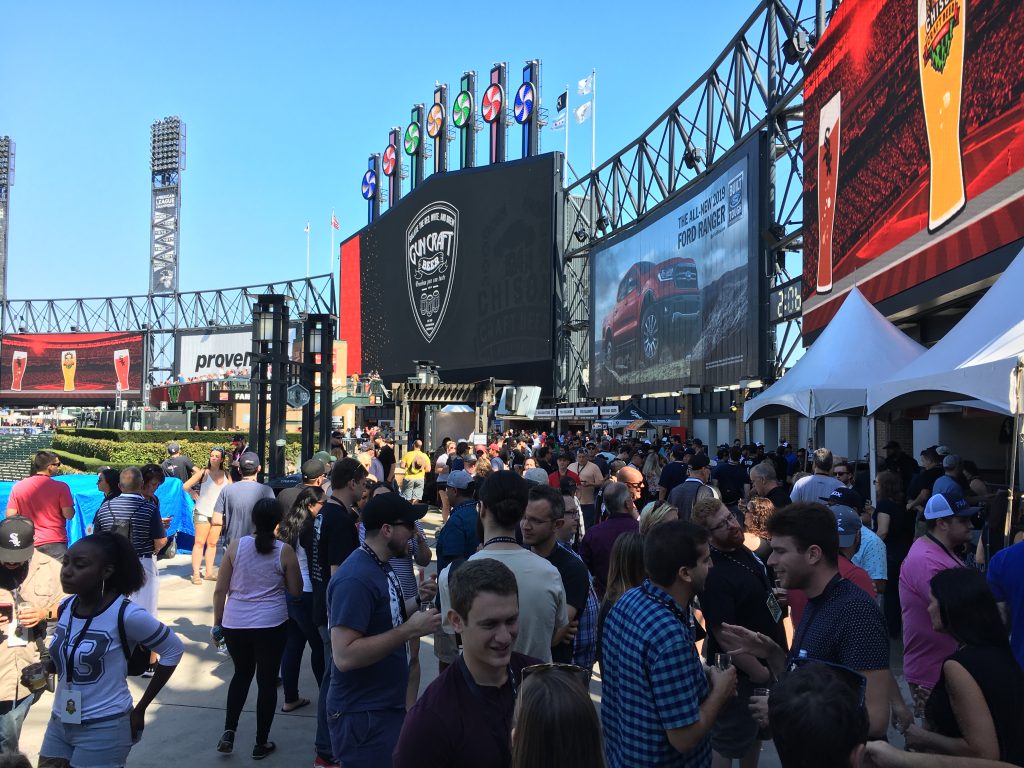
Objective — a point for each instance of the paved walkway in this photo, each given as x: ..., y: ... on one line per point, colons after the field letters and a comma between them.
x: 185, y: 722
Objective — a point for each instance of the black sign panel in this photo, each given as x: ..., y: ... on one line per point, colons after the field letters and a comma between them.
x: 460, y: 273
x: 784, y: 302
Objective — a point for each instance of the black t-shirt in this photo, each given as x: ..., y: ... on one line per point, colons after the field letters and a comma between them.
x: 843, y: 625
x: 779, y: 497
x: 576, y: 581
x: 731, y: 478
x: 672, y: 475
x: 178, y: 466
x: 386, y: 456
x: 459, y: 724
x: 737, y: 591
x: 924, y: 479
x: 901, y: 531
x: 335, y: 537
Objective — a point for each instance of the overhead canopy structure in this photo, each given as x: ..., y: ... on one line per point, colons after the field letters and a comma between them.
x: 858, y: 348
x: 976, y: 361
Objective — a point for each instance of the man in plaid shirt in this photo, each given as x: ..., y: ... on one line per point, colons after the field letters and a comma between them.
x: 659, y: 701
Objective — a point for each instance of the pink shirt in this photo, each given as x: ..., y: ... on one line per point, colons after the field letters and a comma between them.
x: 924, y: 649
x: 41, y: 499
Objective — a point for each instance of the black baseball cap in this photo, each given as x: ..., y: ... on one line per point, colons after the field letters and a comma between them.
x: 699, y: 461
x: 390, y: 509
x: 17, y: 536
x: 847, y: 497
x: 312, y: 469
x: 248, y: 461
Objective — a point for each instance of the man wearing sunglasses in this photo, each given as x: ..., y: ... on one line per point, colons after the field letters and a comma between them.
x: 464, y: 718
x: 46, y: 502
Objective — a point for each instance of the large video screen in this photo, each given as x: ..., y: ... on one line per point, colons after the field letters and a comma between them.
x: 914, y: 148
x: 676, y: 304
x: 459, y: 272
x: 56, y: 367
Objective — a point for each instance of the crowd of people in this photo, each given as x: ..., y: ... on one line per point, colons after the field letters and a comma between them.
x: 722, y: 598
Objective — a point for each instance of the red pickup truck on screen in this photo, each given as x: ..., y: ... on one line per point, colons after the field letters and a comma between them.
x: 656, y: 304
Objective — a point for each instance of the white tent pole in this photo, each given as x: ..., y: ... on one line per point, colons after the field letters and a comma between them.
x: 1011, y: 495
x: 872, y: 457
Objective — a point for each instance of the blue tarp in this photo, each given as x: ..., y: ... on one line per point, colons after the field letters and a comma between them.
x: 175, y: 503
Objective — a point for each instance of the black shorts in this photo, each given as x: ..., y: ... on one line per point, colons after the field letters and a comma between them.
x: 735, y: 730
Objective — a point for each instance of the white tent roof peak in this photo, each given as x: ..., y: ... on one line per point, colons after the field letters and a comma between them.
x: 858, y: 348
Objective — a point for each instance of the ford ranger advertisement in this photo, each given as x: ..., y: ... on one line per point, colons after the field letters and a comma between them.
x: 676, y: 299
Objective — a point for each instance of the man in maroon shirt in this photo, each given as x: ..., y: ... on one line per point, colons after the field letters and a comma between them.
x: 596, y: 547
x: 46, y: 502
x: 464, y: 718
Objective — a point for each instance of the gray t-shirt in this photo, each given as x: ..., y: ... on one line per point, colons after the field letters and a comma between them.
x: 236, y: 502
x: 814, y: 488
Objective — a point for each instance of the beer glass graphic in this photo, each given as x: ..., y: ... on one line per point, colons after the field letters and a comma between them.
x: 828, y: 173
x: 19, y: 362
x: 68, y: 366
x: 122, y: 362
x: 940, y: 33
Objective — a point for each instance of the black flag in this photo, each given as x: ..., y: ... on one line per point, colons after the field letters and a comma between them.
x: 562, y: 100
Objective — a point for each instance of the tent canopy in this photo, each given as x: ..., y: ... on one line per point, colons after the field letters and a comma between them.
x: 857, y: 348
x: 975, y: 361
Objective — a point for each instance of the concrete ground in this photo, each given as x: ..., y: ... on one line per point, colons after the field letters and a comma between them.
x: 187, y: 718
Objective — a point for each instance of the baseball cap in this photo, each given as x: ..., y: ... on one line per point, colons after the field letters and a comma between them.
x: 237, y: 439
x: 325, y: 457
x: 536, y: 475
x: 173, y: 447
x: 847, y: 497
x: 312, y: 469
x: 848, y: 522
x: 950, y: 461
x: 699, y: 461
x: 942, y: 505
x: 390, y: 509
x: 460, y: 479
x: 248, y: 461
x: 17, y: 535
x: 942, y: 450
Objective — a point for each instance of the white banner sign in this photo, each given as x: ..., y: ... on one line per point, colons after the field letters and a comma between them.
x: 213, y: 353
x: 588, y: 410
x: 564, y: 413
x: 609, y: 410
x: 545, y: 413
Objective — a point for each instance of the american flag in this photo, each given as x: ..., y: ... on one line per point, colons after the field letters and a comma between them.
x: 334, y: 221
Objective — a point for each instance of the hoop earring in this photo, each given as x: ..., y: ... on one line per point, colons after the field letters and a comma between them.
x: 103, y: 587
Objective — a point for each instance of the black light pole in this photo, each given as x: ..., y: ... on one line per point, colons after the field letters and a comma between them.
x: 269, y: 381
x: 318, y: 346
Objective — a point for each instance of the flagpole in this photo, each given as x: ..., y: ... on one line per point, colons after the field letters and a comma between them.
x: 307, y: 249
x: 565, y: 178
x: 593, y: 120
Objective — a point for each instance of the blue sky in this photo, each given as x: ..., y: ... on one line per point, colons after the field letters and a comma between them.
x: 283, y: 103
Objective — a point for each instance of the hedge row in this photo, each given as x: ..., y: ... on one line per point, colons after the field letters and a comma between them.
x: 72, y: 464
x: 121, y: 454
x: 162, y: 435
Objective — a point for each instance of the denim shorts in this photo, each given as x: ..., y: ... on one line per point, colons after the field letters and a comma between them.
x: 99, y: 744
x: 365, y: 739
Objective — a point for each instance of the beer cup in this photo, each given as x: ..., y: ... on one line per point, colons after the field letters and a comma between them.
x: 828, y: 173
x: 941, y: 30
x: 68, y: 366
x: 19, y: 362
x: 122, y: 362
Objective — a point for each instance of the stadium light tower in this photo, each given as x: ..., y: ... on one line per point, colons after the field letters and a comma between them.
x: 167, y: 161
x: 7, y: 149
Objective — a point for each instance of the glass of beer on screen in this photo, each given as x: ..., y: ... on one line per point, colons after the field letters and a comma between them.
x: 828, y: 172
x: 68, y: 366
x: 18, y: 364
x: 122, y: 362
x: 941, y: 29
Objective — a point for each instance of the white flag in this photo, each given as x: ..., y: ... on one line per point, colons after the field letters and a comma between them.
x: 559, y: 124
x: 586, y: 85
x: 306, y: 230
x: 582, y: 112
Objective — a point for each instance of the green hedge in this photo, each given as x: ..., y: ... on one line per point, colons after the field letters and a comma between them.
x: 122, y: 454
x: 162, y: 436
x: 80, y: 463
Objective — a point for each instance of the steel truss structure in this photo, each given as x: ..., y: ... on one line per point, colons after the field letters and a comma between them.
x: 161, y: 316
x: 754, y: 85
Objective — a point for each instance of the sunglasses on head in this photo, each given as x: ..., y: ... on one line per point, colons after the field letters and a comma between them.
x: 578, y: 673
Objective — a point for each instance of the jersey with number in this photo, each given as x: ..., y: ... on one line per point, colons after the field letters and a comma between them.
x: 100, y: 666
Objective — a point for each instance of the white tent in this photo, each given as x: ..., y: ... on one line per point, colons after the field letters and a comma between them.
x: 976, y: 361
x: 857, y: 348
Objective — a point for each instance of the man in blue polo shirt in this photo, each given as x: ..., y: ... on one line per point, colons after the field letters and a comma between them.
x: 658, y: 705
x: 1006, y: 579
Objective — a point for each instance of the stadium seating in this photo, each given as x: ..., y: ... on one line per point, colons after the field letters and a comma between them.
x: 16, y: 452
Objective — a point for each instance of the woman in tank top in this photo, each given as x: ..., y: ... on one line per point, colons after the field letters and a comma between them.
x: 208, y: 524
x: 251, y: 613
x: 296, y: 529
x: 977, y: 707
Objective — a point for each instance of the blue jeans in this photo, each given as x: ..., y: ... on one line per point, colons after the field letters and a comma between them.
x: 322, y: 741
x: 301, y: 631
x: 589, y: 515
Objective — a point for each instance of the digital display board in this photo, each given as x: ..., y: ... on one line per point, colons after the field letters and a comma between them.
x: 913, y: 149
x: 459, y: 272
x: 70, y: 367
x: 675, y: 302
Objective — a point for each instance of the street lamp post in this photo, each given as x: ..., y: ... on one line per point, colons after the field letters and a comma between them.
x: 269, y: 380
x: 318, y: 346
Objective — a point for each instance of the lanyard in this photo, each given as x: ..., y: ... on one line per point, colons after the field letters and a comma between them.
x: 501, y: 540
x: 761, y: 575
x: 959, y: 563
x: 672, y: 606
x: 71, y: 651
x: 392, y: 579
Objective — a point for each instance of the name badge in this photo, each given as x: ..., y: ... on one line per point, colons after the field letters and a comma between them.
x: 774, y: 608
x: 71, y: 707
